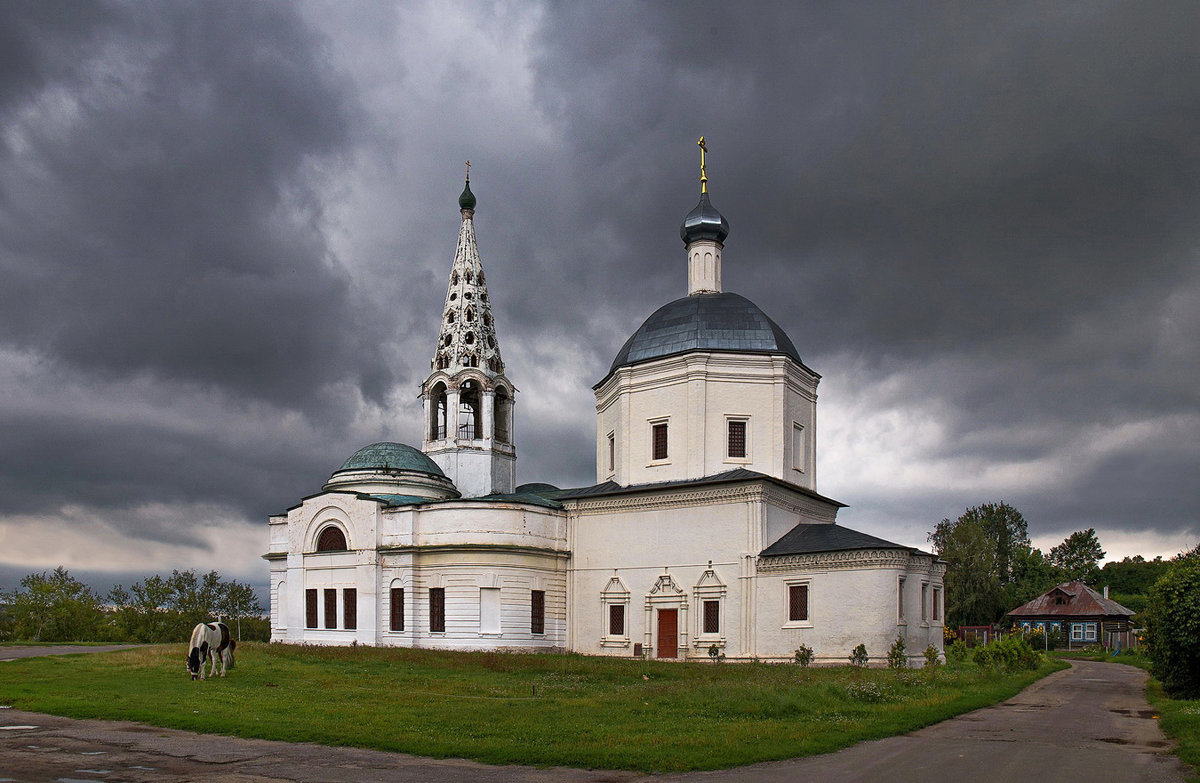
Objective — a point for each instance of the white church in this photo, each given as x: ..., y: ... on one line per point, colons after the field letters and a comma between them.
x: 703, y: 535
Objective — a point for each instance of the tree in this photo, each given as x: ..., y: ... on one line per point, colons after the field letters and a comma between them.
x: 55, y: 607
x: 986, y: 551
x: 1133, y: 575
x: 1173, y: 627
x: 1078, y: 556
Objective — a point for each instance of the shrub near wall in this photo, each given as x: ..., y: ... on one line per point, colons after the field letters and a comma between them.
x: 1173, y: 625
x: 1010, y: 654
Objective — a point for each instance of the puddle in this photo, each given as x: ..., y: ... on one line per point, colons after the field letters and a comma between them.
x: 1113, y: 740
x: 95, y: 771
x: 145, y: 768
x: 17, y: 728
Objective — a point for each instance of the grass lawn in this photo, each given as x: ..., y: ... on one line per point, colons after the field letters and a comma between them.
x: 543, y: 710
x: 1179, y: 718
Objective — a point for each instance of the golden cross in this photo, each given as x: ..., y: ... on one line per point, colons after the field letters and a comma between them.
x: 468, y: 171
x: 703, y: 171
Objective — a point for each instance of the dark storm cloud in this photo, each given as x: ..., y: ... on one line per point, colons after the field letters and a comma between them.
x: 156, y: 200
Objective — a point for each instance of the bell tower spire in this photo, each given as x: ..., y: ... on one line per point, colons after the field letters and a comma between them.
x: 704, y: 231
x: 468, y: 399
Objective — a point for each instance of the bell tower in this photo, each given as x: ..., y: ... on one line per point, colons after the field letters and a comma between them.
x: 468, y: 400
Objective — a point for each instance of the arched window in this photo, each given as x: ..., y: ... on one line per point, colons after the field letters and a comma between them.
x: 437, y: 412
x: 470, y: 409
x: 503, y: 415
x: 331, y: 539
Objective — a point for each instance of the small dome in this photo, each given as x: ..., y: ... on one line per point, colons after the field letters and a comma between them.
x: 391, y: 456
x: 536, y: 488
x: 705, y: 322
x: 704, y: 222
x: 467, y: 199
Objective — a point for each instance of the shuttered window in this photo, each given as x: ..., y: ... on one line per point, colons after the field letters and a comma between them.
x: 616, y: 619
x: 660, y: 441
x: 350, y: 607
x: 737, y: 439
x: 537, y: 611
x: 712, y: 616
x: 437, y: 609
x: 797, y: 602
x: 330, y: 608
x: 310, y: 608
x: 397, y: 609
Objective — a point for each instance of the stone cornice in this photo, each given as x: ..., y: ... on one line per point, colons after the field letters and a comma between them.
x: 275, y: 556
x: 666, y: 498
x: 515, y: 549
x: 833, y: 561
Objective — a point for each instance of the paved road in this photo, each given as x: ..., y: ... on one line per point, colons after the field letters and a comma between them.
x: 1086, y: 724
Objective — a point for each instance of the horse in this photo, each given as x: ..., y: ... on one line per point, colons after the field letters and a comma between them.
x: 210, y: 641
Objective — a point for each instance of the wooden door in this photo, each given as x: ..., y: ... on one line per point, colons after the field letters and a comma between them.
x: 668, y: 633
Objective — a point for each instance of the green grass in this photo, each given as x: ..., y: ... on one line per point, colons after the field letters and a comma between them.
x: 506, y: 708
x: 1179, y: 718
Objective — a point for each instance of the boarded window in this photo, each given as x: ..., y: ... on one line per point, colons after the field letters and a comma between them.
x: 310, y: 608
x: 900, y: 600
x: 537, y: 611
x: 330, y: 608
x: 397, y: 609
x: 489, y: 610
x: 616, y: 619
x: 797, y: 602
x: 937, y: 603
x: 660, y: 441
x: 737, y: 439
x: 712, y: 616
x: 331, y: 540
x: 612, y: 451
x: 350, y: 607
x: 924, y: 602
x: 437, y: 609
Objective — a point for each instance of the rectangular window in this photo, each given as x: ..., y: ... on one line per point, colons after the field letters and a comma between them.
x: 489, y: 610
x: 350, y: 608
x: 310, y: 608
x: 330, y: 608
x: 1089, y: 632
x: 397, y: 609
x: 924, y: 602
x: 660, y: 440
x: 612, y: 452
x: 737, y: 439
x: 900, y: 600
x: 797, y: 603
x: 799, y: 448
x: 437, y: 609
x: 1077, y: 632
x: 537, y: 611
x: 937, y: 603
x: 712, y: 616
x: 616, y: 619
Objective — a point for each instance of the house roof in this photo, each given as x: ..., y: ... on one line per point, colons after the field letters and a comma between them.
x: 806, y: 539
x: 1071, y: 599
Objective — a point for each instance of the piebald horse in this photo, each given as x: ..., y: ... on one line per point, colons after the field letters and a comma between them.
x: 210, y: 641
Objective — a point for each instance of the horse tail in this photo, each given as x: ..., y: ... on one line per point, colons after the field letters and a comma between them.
x: 232, y: 647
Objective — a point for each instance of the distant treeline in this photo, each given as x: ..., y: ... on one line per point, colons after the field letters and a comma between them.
x: 56, y: 607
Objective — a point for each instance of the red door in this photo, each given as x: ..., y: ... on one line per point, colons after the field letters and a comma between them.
x: 668, y: 633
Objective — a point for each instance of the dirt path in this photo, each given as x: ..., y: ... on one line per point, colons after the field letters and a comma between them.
x: 1089, y: 723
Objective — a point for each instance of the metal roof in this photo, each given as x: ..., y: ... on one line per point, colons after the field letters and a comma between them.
x: 737, y: 474
x: 806, y: 539
x: 391, y: 456
x: 1071, y: 599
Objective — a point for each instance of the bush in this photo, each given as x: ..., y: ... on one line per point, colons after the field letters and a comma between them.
x: 958, y: 651
x: 897, y: 656
x: 858, y: 656
x: 932, y: 656
x: 804, y: 655
x: 1010, y: 654
x: 1173, y: 627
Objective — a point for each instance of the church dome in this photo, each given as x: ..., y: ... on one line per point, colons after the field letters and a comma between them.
x: 704, y: 222
x: 391, y: 456
x: 705, y: 322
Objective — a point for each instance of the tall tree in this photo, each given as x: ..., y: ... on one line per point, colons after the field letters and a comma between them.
x: 985, y: 549
x: 55, y: 607
x: 1078, y: 556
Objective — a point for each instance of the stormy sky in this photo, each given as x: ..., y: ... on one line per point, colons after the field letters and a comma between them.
x: 226, y: 230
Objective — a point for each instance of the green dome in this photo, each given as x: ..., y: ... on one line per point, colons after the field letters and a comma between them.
x: 391, y: 456
x: 467, y: 199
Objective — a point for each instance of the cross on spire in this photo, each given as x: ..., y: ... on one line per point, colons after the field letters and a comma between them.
x: 468, y: 171
x: 703, y: 170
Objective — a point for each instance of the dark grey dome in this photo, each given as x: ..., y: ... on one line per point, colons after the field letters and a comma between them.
x: 705, y: 322
x: 704, y: 222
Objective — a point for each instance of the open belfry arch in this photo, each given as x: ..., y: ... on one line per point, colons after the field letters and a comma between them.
x: 704, y: 533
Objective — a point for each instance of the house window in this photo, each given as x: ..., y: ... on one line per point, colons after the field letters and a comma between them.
x: 332, y: 539
x: 937, y: 603
x: 350, y: 608
x: 397, y: 609
x: 330, y: 608
x: 712, y: 617
x: 310, y: 608
x: 1077, y: 632
x: 616, y: 619
x: 489, y: 610
x: 924, y: 602
x: 437, y: 610
x: 900, y: 600
x: 659, y: 431
x: 737, y: 439
x: 797, y: 603
x: 537, y: 611
x: 799, y: 448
